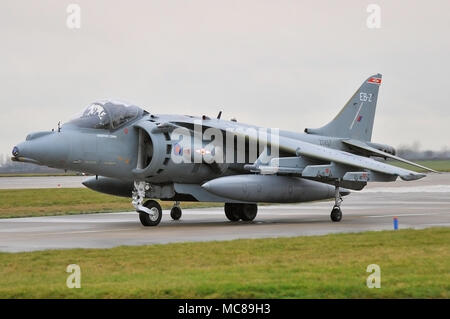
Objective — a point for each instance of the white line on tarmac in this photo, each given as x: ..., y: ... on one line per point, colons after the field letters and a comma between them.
x: 410, y: 189
x: 88, y: 231
x: 397, y: 215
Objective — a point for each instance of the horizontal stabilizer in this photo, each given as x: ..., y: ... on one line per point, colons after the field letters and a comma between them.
x: 375, y: 152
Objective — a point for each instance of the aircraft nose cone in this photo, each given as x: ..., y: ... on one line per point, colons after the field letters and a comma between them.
x: 43, y: 148
x: 15, y: 151
x: 22, y: 150
x: 25, y: 152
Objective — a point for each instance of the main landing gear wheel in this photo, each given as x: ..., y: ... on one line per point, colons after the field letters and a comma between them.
x: 175, y: 212
x: 248, y: 212
x: 154, y: 217
x: 235, y: 212
x: 336, y: 214
x: 232, y: 212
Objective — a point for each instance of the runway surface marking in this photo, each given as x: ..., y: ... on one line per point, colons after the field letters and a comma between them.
x: 41, y: 182
x: 411, y: 189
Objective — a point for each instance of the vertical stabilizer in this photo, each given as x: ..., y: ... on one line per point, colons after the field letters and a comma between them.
x: 355, y: 120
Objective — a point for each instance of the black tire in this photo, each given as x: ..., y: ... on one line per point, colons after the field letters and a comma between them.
x: 175, y: 213
x: 336, y: 214
x: 148, y: 220
x: 232, y: 212
x: 248, y: 212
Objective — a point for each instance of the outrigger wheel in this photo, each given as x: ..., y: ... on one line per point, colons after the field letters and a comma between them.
x: 154, y: 217
x: 336, y: 213
x: 175, y: 212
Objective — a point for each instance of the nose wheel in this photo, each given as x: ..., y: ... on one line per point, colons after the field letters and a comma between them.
x: 152, y: 215
x: 336, y: 213
x: 150, y: 212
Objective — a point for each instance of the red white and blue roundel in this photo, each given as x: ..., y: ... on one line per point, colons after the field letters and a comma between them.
x: 178, y: 149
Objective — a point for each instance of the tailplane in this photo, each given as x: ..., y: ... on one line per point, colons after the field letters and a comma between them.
x: 355, y: 120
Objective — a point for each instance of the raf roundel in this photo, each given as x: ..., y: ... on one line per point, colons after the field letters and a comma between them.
x: 178, y: 150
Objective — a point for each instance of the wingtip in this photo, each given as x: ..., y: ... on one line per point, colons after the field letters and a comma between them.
x: 412, y: 176
x: 431, y: 170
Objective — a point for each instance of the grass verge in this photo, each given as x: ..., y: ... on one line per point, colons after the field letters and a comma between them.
x: 414, y: 264
x: 438, y: 165
x: 63, y: 201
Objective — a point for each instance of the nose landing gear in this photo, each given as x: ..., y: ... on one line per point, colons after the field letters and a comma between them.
x: 153, y: 217
x: 150, y: 212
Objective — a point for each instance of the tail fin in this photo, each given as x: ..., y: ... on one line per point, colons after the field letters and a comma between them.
x: 355, y: 120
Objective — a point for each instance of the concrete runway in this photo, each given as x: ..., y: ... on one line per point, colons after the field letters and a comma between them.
x: 418, y: 204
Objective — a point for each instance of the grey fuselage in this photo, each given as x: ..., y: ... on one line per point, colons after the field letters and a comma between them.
x: 113, y: 153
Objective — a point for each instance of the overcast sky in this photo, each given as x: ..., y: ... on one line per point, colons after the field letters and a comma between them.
x: 286, y: 64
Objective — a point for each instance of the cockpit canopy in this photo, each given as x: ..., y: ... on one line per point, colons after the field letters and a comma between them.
x: 106, y: 115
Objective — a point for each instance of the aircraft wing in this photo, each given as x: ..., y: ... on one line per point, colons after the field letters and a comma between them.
x: 339, y: 161
x: 363, y: 146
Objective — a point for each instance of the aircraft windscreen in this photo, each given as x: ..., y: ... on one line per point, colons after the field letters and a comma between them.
x: 106, y: 115
x: 94, y: 116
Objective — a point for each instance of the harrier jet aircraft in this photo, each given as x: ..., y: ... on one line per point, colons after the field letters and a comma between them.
x: 137, y: 154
